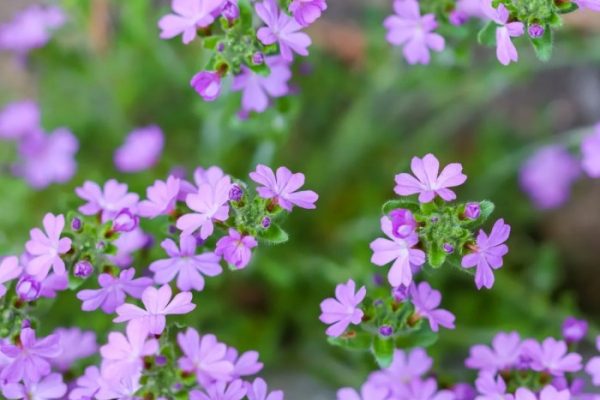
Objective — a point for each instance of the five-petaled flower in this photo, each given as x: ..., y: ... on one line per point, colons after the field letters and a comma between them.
x: 282, y: 187
x: 505, y: 49
x: 46, y: 249
x: 426, y: 301
x: 109, y: 200
x: 342, y: 310
x: 188, y: 16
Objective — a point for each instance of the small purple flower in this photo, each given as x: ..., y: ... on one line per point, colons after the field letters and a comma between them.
x: 398, y: 250
x: 162, y: 198
x: 256, y: 89
x: 491, y: 388
x: 230, y: 10
x: 83, y: 269
x: 30, y: 359
x: 505, y: 49
x: 548, y: 393
x: 386, y: 331
x: 574, y: 330
x: 590, y: 150
x: 19, y: 119
x: 76, y: 224
x: 127, y: 244
x: 472, y: 210
x: 258, y: 390
x: 401, y: 293
x: 124, y: 388
x: 414, y: 32
x: 343, y: 310
x: 221, y: 391
x: 113, y: 291
x: 258, y: 58
x: 471, y: 8
x: 281, y: 29
x: 448, y: 248
x: 75, y: 345
x: 53, y: 283
x: 184, y: 263
x: 125, y: 221
x: 593, y: 366
x: 464, y: 391
x: 426, y: 301
x: 157, y: 305
x: 504, y: 353
x: 50, y: 387
x: 30, y: 29
x: 236, y: 193
x: 487, y: 254
x: 46, y: 248
x: 593, y: 5
x: 109, y: 201
x: 547, y: 176
x: 142, y: 149
x: 458, y: 18
x: 403, y: 223
x: 405, y: 367
x: 245, y: 365
x: 266, y: 222
x: 306, y: 12
x: 28, y: 288
x: 427, y: 182
x: 188, y: 16
x: 209, y: 204
x: 207, y: 84
x: 368, y: 391
x: 551, y: 356
x: 419, y: 389
x: 535, y: 31
x: 87, y: 385
x: 9, y: 270
x: 236, y: 248
x: 204, y: 356
x: 282, y: 187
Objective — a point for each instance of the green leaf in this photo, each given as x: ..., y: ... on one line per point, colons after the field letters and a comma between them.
x: 391, y: 205
x: 436, y: 256
x: 210, y: 42
x: 383, y: 350
x: 567, y: 7
x: 352, y: 340
x: 487, y: 35
x: 487, y: 208
x: 422, y: 337
x: 274, y: 235
x: 262, y: 69
x: 543, y: 45
x: 555, y: 20
x: 246, y: 13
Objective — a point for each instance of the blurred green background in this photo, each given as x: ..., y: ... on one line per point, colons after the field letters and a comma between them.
x: 358, y: 117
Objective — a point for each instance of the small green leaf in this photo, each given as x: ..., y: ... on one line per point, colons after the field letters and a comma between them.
x: 543, y: 45
x: 210, y: 42
x: 273, y: 235
x: 436, y: 256
x: 391, y: 205
x: 423, y: 337
x: 487, y: 208
x: 555, y: 20
x: 352, y: 341
x: 383, y: 350
x: 487, y: 35
x: 567, y: 7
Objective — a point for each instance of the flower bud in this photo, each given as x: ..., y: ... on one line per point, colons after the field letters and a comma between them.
x: 236, y: 193
x: 258, y: 58
x: 76, y: 224
x: 266, y: 222
x: 125, y: 221
x: 26, y: 323
x: 28, y: 289
x: 448, y: 248
x: 230, y: 11
x: 403, y: 223
x: 472, y: 210
x: 400, y: 293
x: 574, y: 330
x: 207, y: 84
x: 83, y: 269
x: 458, y: 18
x: 536, y: 31
x: 386, y: 331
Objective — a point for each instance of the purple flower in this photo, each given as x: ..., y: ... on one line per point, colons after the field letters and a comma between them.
x: 87, y: 385
x: 398, y: 250
x: 50, y: 387
x: 142, y: 149
x: 75, y: 344
x: 343, y: 310
x: 162, y: 197
x: 245, y: 365
x: 471, y: 8
x: 236, y: 248
x: 83, y: 269
x: 547, y: 176
x: 574, y: 330
x: 487, y: 254
x: 47, y: 159
x: 124, y: 388
x: 535, y: 31
x: 209, y: 204
x: 368, y: 391
x: 53, y: 283
x: 282, y: 187
x: 258, y: 390
x: 593, y: 5
x: 551, y: 356
x: 46, y: 248
x: 30, y: 29
x: 306, y: 12
x: 505, y: 49
x: 427, y: 389
x: 426, y: 301
x: 188, y: 16
x: 415, y: 32
x: 472, y: 210
x: 548, y: 393
x: 185, y: 264
x: 28, y: 288
x: 464, y: 391
x: 19, y: 119
x: 113, y: 291
x: 123, y: 355
x: 590, y: 150
x: 128, y: 243
x: 504, y: 353
x: 207, y: 84
x: 29, y: 359
x: 593, y: 366
x: 9, y: 270
x: 221, y: 391
x: 125, y: 221
x: 157, y: 305
x: 204, y: 356
x: 404, y: 368
x: 428, y: 184
x: 257, y: 88
x: 109, y: 201
x: 281, y: 29
x: 491, y: 388
x: 210, y: 176
x: 403, y: 223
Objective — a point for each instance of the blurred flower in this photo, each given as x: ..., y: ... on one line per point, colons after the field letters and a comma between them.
x: 306, y: 12
x: 142, y: 149
x: 427, y: 183
x: 157, y: 305
x: 19, y: 119
x: 210, y: 203
x: 551, y: 356
x: 162, y: 197
x: 574, y: 330
x: 548, y: 393
x: 464, y: 391
x: 593, y: 5
x: 426, y: 389
x: 75, y: 344
x: 109, y: 201
x: 53, y: 283
x: 87, y: 385
x: 400, y: 251
x: 412, y: 31
x: 257, y: 88
x: 47, y: 248
x: 9, y: 270
x: 487, y: 254
x: 471, y: 8
x: 258, y: 390
x: 281, y: 29
x: 185, y: 264
x: 343, y: 310
x: 593, y: 366
x: 221, y: 391
x: 405, y: 367
x: 204, y: 356
x: 188, y: 16
x: 426, y: 301
x: 368, y: 391
x: 207, y: 84
x: 123, y: 388
x: 491, y: 388
x: 245, y: 365
x: 547, y: 176
x: 127, y: 244
x: 50, y: 387
x: 113, y: 290
x: 590, y: 150
x: 504, y: 353
x: 505, y: 49
x: 30, y: 29
x: 283, y: 187
x: 236, y: 248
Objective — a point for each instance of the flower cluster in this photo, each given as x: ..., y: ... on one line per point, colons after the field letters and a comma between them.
x: 43, y: 158
x: 427, y: 233
x: 99, y: 243
x: 414, y: 24
x: 258, y: 59
x: 511, y: 369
